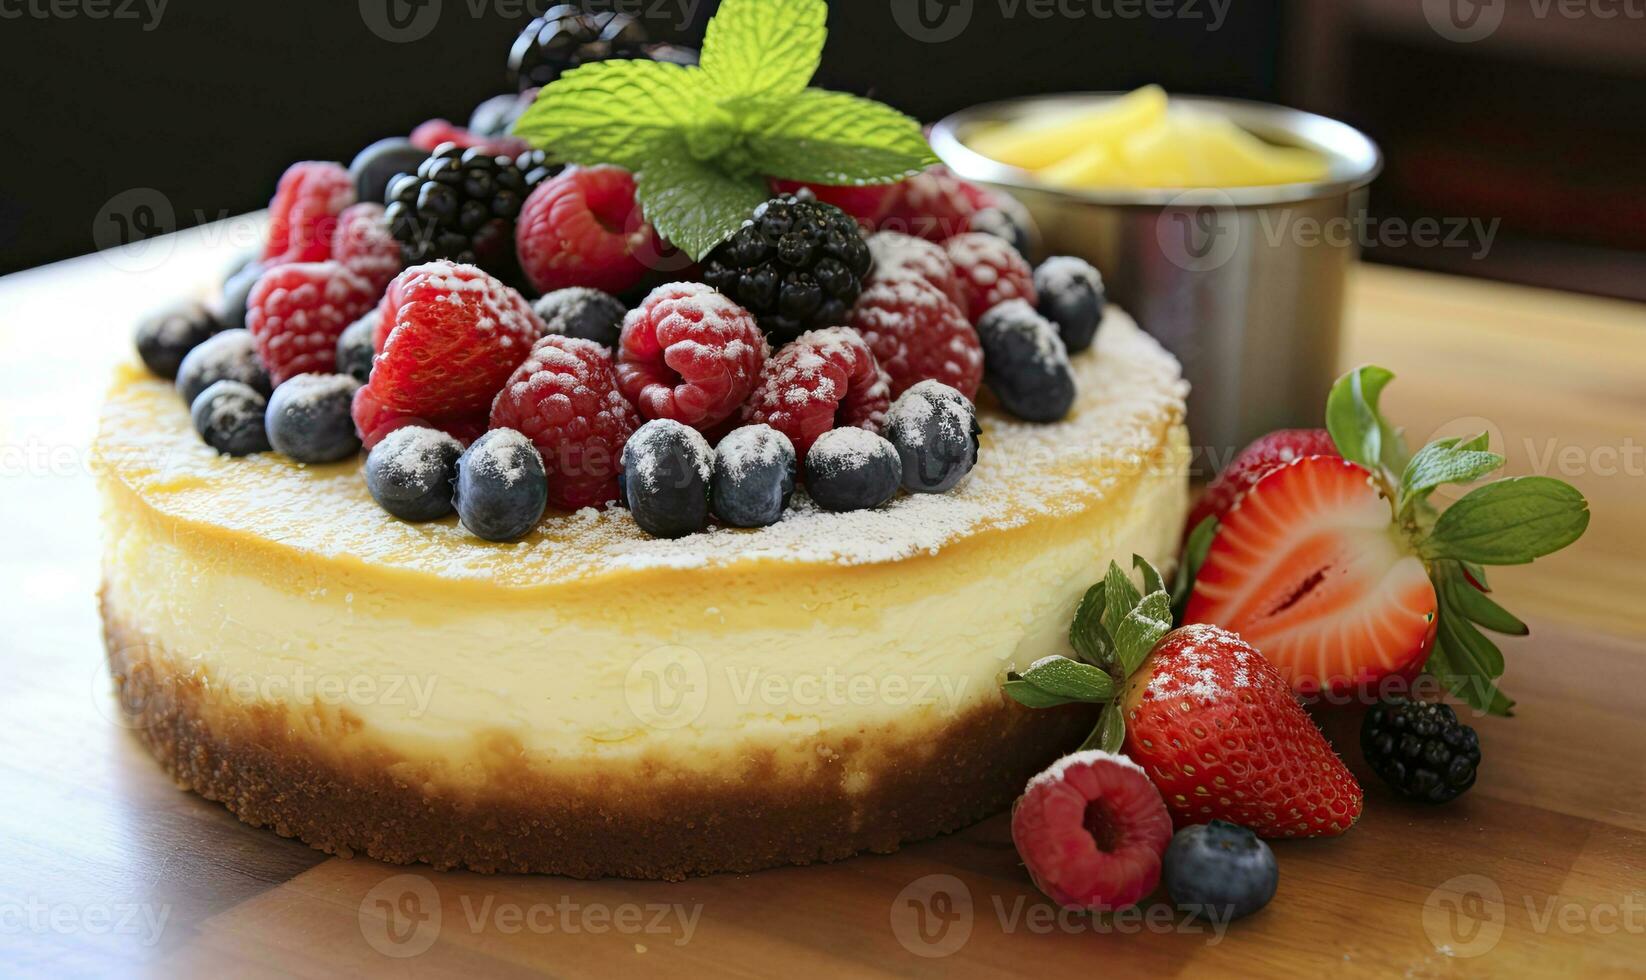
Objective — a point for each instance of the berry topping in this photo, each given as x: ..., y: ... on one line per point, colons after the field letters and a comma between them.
x: 1005, y: 217
x: 354, y: 346
x: 501, y: 489
x: 1025, y: 362
x: 365, y: 247
x: 689, y: 354
x: 1220, y: 871
x: 229, y: 417
x: 852, y: 469
x: 868, y: 204
x: 1420, y: 749
x: 410, y: 473
x: 436, y: 133
x: 796, y: 264
x: 380, y: 163
x: 449, y: 336
x: 230, y: 307
x: 990, y: 272
x: 566, y: 36
x: 823, y: 379
x: 934, y: 205
x: 1071, y: 296
x: 459, y: 205
x: 584, y: 313
x: 1253, y: 463
x: 564, y: 398
x: 163, y: 340
x: 917, y: 334
x: 308, y: 418
x: 754, y: 470
x: 496, y: 116
x: 303, y: 214
x: 227, y: 356
x: 895, y: 252
x: 935, y: 430
x: 583, y: 228
x: 297, y: 312
x: 667, y: 467
x: 1091, y: 830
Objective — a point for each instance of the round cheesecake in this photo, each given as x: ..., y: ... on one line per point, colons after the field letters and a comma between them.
x: 592, y: 701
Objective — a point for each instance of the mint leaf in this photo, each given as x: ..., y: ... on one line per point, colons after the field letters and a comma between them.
x: 1086, y: 633
x: 1359, y: 430
x: 1188, y: 567
x: 1463, y: 597
x: 1509, y: 522
x: 693, y: 205
x: 1445, y: 461
x: 1110, y: 733
x: 627, y: 113
x: 1029, y: 696
x: 827, y: 137
x: 763, y: 49
x: 1141, y: 629
x: 1120, y: 597
x: 1070, y: 679
x: 1151, y: 575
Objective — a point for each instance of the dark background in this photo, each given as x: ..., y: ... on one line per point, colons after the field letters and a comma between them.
x: 1540, y: 125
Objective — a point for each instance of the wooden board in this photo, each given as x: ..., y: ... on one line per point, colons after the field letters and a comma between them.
x: 107, y: 869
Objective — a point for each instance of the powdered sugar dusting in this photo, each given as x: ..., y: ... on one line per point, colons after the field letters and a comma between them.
x: 416, y: 454
x: 1060, y: 272
x: 839, y: 450
x: 502, y: 453
x: 656, y: 442
x: 1059, y: 770
x: 752, y: 446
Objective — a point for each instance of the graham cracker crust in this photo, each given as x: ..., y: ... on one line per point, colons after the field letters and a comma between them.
x: 634, y: 822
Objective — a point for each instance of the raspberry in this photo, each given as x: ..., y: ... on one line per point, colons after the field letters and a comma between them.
x: 821, y: 380
x: 867, y: 204
x: 990, y: 272
x: 690, y: 354
x: 916, y: 333
x: 297, y: 311
x: 449, y: 336
x: 430, y: 135
x: 934, y: 205
x: 583, y: 228
x: 1092, y: 830
x: 363, y: 244
x: 896, y: 252
x: 303, y: 214
x: 564, y: 397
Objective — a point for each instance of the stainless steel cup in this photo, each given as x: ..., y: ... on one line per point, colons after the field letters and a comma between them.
x: 1244, y: 284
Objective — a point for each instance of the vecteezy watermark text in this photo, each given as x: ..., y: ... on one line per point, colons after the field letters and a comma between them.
x: 937, y: 21
x: 149, y: 12
x: 143, y: 921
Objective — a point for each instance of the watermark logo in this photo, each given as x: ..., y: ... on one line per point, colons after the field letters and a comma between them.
x: 1464, y: 916
x: 400, y: 916
x: 667, y: 687
x: 1464, y: 21
x: 137, y: 219
x: 932, y: 917
x: 932, y: 21
x: 400, y: 21
x: 1199, y: 230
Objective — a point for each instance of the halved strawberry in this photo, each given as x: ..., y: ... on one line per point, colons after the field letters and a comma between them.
x: 1254, y: 463
x: 1310, y: 568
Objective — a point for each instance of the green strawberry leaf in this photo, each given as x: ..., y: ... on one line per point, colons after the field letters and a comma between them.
x: 1086, y: 633
x: 1444, y: 461
x: 1141, y: 628
x: 827, y: 137
x: 1120, y: 597
x: 1070, y: 679
x: 1110, y: 733
x: 1478, y: 691
x: 1510, y: 522
x: 1152, y: 581
x: 1473, y: 603
x: 692, y: 204
x: 763, y: 49
x: 1188, y: 567
x: 1358, y: 429
x: 1029, y: 696
x: 627, y: 113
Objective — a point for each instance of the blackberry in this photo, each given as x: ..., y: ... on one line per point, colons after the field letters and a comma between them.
x: 567, y: 36
x: 459, y: 205
x: 1420, y: 749
x: 797, y: 264
x: 537, y: 167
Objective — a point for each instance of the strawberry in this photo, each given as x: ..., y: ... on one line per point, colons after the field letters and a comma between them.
x: 1257, y: 459
x: 1309, y: 567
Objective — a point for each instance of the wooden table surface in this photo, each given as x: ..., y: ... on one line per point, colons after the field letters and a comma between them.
x: 107, y: 869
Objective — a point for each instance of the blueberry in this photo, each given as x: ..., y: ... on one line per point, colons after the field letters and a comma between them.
x: 1220, y: 870
x: 501, y: 487
x: 496, y: 116
x: 934, y: 429
x: 852, y: 469
x: 1010, y: 220
x: 227, y: 356
x: 230, y: 308
x: 308, y: 418
x: 1025, y: 363
x: 229, y: 417
x: 377, y: 164
x: 410, y: 473
x: 582, y: 312
x: 665, y: 478
x: 354, y: 348
x: 1071, y: 296
x: 163, y: 340
x: 753, y: 476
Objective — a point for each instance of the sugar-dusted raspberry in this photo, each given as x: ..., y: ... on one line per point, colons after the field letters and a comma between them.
x: 297, y: 311
x: 896, y: 252
x: 916, y: 333
x: 303, y: 214
x: 583, y: 228
x: 822, y: 380
x: 564, y: 397
x: 364, y: 244
x: 430, y: 135
x: 868, y: 204
x: 449, y: 336
x: 990, y: 271
x: 690, y: 354
x: 1092, y: 830
x: 934, y: 205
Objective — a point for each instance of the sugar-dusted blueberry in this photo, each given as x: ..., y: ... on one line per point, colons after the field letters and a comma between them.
x: 667, y: 467
x: 230, y: 307
x: 501, y: 487
x: 308, y: 418
x: 229, y: 417
x: 1025, y: 363
x: 376, y: 165
x: 227, y: 356
x: 1071, y: 296
x: 354, y: 347
x: 1006, y: 217
x: 165, y: 338
x: 1220, y: 871
x: 934, y: 429
x: 754, y: 469
x: 578, y: 311
x: 410, y: 473
x: 852, y: 469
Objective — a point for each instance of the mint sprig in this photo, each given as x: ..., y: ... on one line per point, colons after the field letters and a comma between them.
x: 703, y: 141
